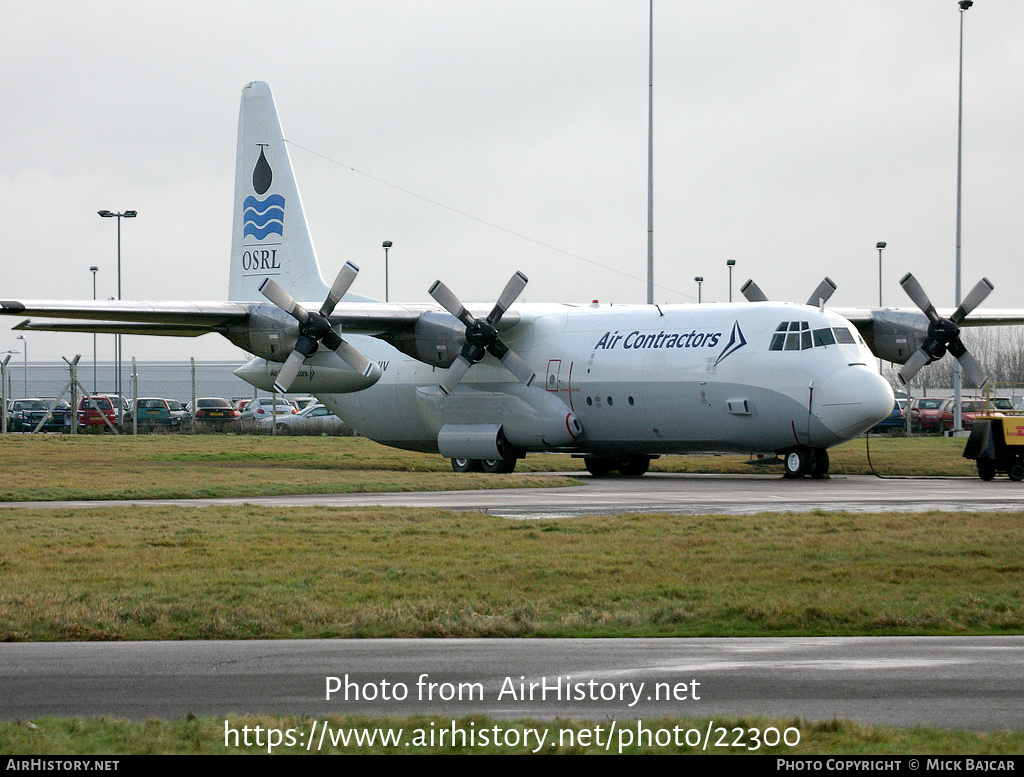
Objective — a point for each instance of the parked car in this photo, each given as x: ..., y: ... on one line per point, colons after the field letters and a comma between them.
x: 93, y: 410
x: 312, y: 419
x: 926, y: 414
x: 179, y: 415
x: 895, y: 420
x: 152, y: 412
x: 24, y: 415
x: 214, y: 411
x: 261, y: 408
x: 971, y: 409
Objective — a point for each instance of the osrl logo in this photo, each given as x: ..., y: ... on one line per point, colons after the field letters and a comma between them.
x: 261, y: 218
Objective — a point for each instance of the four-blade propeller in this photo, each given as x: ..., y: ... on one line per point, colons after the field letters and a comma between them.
x: 944, y: 333
x: 818, y: 297
x: 315, y: 329
x: 482, y: 334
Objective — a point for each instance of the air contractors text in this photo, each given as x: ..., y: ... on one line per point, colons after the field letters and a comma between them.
x: 663, y: 339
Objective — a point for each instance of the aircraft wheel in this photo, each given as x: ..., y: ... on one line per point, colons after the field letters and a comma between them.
x: 986, y: 469
x: 634, y: 466
x: 498, y: 466
x: 797, y: 463
x: 1016, y: 471
x: 597, y: 466
x: 819, y: 464
x: 466, y: 465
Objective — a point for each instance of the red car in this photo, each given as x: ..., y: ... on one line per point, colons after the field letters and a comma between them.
x: 926, y: 414
x: 971, y: 409
x: 92, y: 410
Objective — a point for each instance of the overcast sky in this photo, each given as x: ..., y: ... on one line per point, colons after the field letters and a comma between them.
x: 790, y: 136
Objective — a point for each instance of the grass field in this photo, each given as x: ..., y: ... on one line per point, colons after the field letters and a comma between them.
x: 262, y: 572
x: 158, y: 466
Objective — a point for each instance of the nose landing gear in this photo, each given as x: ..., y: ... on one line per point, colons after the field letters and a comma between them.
x: 804, y: 461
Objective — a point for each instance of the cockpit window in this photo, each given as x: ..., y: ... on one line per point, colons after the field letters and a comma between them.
x: 844, y: 335
x: 797, y: 336
x: 824, y: 337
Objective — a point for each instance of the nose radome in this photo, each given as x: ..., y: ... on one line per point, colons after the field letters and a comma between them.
x: 853, y: 400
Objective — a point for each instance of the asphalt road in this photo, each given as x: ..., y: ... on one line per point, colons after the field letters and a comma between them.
x: 973, y: 683
x: 672, y: 493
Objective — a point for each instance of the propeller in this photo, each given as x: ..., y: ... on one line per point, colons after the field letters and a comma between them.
x: 944, y: 333
x: 482, y: 334
x: 818, y: 297
x: 315, y: 329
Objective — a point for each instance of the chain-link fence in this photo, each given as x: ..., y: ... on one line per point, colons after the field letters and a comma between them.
x: 48, y: 396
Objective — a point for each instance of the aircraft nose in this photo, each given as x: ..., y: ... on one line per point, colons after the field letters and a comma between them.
x: 853, y: 400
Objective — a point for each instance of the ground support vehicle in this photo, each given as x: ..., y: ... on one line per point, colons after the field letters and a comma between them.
x: 997, y: 445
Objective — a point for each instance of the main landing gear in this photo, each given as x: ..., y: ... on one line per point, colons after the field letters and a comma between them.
x: 628, y: 466
x: 803, y: 461
x: 494, y: 466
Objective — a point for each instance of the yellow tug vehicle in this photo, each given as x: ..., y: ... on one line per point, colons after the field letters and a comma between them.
x: 997, y: 443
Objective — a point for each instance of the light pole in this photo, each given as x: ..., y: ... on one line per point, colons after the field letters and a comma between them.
x: 93, y: 270
x: 25, y: 384
x: 730, y: 263
x: 387, y: 244
x: 880, y: 245
x: 700, y: 280
x: 957, y: 377
x: 650, y: 156
x: 127, y: 214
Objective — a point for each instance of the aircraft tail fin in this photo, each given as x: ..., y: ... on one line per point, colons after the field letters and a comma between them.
x: 269, y: 237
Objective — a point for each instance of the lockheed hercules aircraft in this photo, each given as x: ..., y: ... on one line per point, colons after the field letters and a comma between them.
x: 618, y: 385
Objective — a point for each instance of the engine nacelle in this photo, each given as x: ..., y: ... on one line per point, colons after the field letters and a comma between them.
x: 269, y: 332
x: 437, y: 338
x: 323, y: 372
x: 894, y: 335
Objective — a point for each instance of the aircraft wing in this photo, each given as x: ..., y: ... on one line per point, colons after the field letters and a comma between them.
x: 864, y: 317
x: 207, y: 315
x: 191, y: 319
